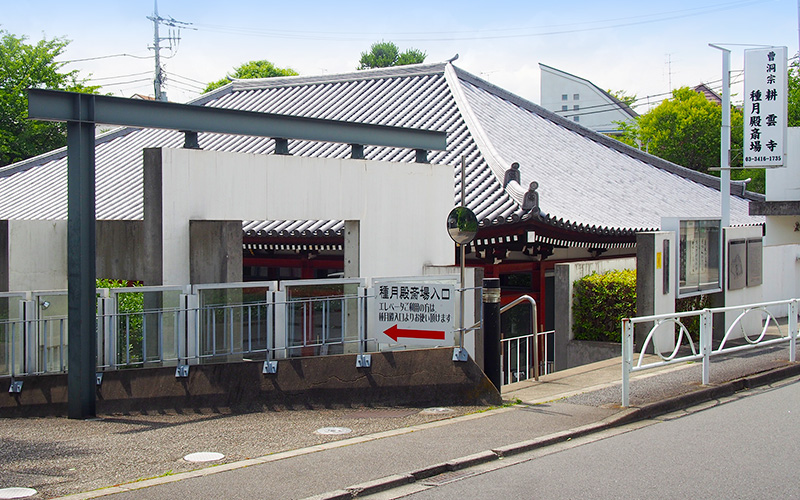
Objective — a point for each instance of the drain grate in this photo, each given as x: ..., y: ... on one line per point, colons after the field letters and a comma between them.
x: 447, y: 477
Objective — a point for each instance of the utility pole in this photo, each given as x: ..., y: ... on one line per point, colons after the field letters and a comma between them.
x: 174, y: 37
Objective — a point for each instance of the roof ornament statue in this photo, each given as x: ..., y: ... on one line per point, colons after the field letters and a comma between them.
x: 511, y: 174
x: 530, y: 203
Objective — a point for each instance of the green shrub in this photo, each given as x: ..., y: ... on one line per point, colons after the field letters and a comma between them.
x: 694, y: 303
x: 600, y: 301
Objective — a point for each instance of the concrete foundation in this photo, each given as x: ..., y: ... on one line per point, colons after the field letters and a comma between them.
x: 424, y: 377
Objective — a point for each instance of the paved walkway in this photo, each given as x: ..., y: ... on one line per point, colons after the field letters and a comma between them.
x: 280, y: 454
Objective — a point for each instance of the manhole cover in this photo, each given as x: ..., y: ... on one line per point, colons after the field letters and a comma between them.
x: 17, y: 492
x: 204, y: 456
x: 435, y: 411
x: 333, y: 431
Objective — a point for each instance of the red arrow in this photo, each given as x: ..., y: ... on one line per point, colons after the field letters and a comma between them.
x: 395, y: 333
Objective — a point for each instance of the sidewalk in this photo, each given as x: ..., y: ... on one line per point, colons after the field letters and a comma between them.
x: 279, y: 455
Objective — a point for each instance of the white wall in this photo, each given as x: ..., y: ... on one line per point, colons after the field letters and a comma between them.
x: 554, y: 84
x: 402, y: 207
x: 747, y: 295
x: 783, y: 184
x: 37, y: 255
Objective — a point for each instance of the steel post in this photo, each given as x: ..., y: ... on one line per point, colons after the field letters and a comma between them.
x: 81, y: 382
x: 492, y: 360
x: 706, y: 338
x: 627, y: 360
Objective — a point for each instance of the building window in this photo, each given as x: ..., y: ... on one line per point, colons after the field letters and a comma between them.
x: 564, y: 107
x: 576, y: 118
x: 563, y: 97
x: 576, y: 107
x: 575, y: 97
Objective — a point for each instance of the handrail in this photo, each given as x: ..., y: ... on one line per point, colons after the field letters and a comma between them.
x: 534, y: 315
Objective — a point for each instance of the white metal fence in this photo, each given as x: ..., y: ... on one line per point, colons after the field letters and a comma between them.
x: 519, y: 359
x: 766, y: 332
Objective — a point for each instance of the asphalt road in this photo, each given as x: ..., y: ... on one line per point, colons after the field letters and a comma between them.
x: 745, y: 448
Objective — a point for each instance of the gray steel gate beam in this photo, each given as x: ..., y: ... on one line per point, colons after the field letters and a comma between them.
x: 83, y: 111
x: 58, y: 106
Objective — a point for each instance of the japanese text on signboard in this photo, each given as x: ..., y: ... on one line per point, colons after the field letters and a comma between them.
x: 413, y: 303
x: 765, y: 100
x: 414, y: 313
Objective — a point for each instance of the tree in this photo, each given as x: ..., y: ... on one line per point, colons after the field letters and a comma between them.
x: 686, y: 130
x: 24, y: 66
x: 623, y: 97
x: 794, y: 95
x: 252, y: 69
x: 385, y: 54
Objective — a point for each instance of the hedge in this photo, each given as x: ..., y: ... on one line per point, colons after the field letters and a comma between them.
x: 600, y: 301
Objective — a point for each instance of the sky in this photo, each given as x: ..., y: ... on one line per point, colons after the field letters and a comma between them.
x: 642, y: 48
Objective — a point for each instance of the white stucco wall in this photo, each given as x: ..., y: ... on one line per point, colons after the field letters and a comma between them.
x: 402, y: 207
x: 37, y: 255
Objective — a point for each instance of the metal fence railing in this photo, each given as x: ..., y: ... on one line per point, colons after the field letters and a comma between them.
x: 519, y: 359
x: 140, y: 327
x: 754, y: 324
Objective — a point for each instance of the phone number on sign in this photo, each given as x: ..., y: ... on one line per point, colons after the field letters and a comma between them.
x: 763, y: 158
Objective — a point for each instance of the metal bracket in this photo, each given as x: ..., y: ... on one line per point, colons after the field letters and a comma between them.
x: 460, y: 354
x: 182, y: 371
x: 99, y: 378
x: 15, y: 387
x: 270, y: 367
x: 364, y: 361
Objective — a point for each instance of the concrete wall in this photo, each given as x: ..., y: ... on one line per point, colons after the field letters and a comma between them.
x: 401, y: 207
x: 656, y: 286
x: 37, y: 255
x: 215, y: 251
x: 422, y: 377
x: 120, y: 250
x: 565, y: 276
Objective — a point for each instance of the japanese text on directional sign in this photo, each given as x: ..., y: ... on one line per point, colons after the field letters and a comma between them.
x: 415, y: 313
x: 765, y: 112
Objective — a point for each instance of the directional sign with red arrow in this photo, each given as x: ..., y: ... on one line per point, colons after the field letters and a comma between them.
x: 414, y: 313
x: 395, y: 333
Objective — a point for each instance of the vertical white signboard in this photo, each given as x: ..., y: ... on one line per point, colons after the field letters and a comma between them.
x: 418, y: 314
x: 765, y: 111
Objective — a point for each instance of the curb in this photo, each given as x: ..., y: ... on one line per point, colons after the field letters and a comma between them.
x: 625, y: 416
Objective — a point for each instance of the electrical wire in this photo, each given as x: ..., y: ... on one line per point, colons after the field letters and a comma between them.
x: 546, y: 30
x: 103, y: 57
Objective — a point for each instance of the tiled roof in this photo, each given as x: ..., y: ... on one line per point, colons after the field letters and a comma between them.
x: 586, y: 181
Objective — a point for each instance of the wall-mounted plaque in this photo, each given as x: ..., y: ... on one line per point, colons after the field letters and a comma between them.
x: 737, y: 264
x: 754, y: 261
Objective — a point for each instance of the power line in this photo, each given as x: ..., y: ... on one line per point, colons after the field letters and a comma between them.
x: 116, y: 77
x: 104, y: 57
x: 546, y: 30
